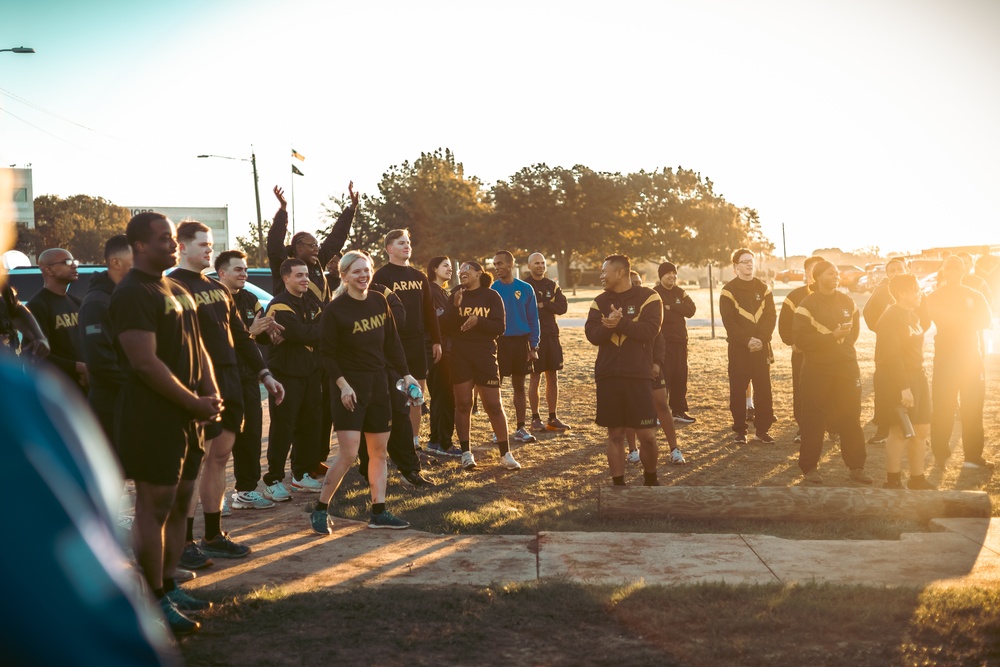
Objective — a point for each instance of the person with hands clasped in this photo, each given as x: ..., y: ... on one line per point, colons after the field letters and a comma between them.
x: 359, y: 344
x: 474, y: 319
x: 825, y: 328
x: 169, y: 394
x: 623, y: 322
x: 746, y: 305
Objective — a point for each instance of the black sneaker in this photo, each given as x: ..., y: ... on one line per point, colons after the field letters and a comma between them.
x: 920, y: 484
x: 979, y: 463
x: 740, y: 439
x: 766, y: 438
x: 386, y: 520
x: 684, y: 418
x: 221, y: 546
x: 193, y: 559
x: 415, y: 479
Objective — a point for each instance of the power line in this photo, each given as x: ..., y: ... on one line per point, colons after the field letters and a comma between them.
x: 31, y: 104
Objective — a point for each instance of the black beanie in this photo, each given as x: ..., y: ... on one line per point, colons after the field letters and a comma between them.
x: 665, y: 268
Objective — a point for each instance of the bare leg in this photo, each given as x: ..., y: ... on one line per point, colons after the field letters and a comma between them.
x: 212, y: 477
x: 463, y: 409
x: 916, y: 449
x: 551, y: 390
x: 176, y: 527
x: 520, y: 402
x: 630, y: 438
x: 616, y: 451
x: 153, y: 504
x: 490, y: 397
x: 894, y: 444
x: 533, y: 383
x: 377, y: 443
x: 415, y: 413
x: 348, y: 451
x: 665, y: 416
x: 648, y: 451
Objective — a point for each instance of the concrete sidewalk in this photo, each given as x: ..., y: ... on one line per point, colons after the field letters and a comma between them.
x: 286, y: 553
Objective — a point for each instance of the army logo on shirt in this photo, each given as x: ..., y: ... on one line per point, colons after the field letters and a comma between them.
x: 846, y: 313
x: 630, y: 310
x: 517, y: 294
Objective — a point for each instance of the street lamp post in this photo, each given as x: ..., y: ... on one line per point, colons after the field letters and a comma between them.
x: 19, y: 49
x: 256, y: 194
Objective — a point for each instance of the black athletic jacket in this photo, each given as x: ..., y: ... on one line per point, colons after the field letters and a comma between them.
x: 278, y: 252
x: 626, y: 350
x: 551, y: 302
x: 747, y: 309
x: 300, y: 315
x: 674, y: 328
x: 812, y: 331
x: 97, y: 344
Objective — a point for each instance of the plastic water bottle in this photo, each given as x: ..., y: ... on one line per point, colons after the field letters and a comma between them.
x: 904, y: 421
x: 413, y: 394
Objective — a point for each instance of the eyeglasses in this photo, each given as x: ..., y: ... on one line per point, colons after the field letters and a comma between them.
x: 67, y: 262
x: 745, y: 261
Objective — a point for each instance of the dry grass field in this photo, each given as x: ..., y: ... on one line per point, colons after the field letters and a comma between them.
x: 557, y: 623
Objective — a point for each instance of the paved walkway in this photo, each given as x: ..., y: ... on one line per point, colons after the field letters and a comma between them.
x: 963, y: 552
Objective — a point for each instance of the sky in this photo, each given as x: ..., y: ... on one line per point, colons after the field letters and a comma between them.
x: 844, y: 123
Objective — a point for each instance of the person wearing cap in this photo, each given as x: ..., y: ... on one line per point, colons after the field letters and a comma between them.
x: 825, y: 328
x: 747, y: 308
x: 785, y: 319
x: 677, y: 308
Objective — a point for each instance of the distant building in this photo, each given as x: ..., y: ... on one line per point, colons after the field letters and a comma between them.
x: 215, y: 217
x: 22, y: 194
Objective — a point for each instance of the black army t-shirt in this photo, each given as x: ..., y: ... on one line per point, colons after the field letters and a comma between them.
x: 163, y: 306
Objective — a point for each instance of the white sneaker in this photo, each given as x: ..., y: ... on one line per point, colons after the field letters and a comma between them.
x: 277, y: 492
x: 250, y: 500
x: 509, y: 462
x: 633, y: 456
x: 307, y: 483
x: 226, y: 509
x: 468, y: 461
x: 676, y: 457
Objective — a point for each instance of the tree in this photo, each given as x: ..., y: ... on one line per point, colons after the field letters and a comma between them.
x: 81, y: 224
x: 445, y: 211
x: 250, y: 244
x: 367, y: 232
x: 679, y: 216
x: 563, y: 213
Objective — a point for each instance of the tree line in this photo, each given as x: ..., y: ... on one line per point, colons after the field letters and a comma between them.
x: 575, y: 216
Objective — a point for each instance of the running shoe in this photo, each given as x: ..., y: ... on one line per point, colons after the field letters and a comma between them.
x: 321, y: 521
x: 556, y: 425
x: 740, y: 439
x: 277, y: 492
x: 859, y: 475
x: 537, y: 425
x: 250, y: 500
x: 415, y: 479
x: 181, y: 575
x: 920, y: 484
x: 386, y: 520
x: 979, y: 463
x: 877, y: 439
x: 221, y: 546
x: 683, y: 418
x: 521, y: 435
x: 192, y: 558
x: 677, y: 457
x: 894, y: 484
x: 226, y: 509
x: 438, y: 450
x: 187, y: 604
x: 468, y: 461
x: 765, y: 437
x: 306, y: 483
x: 509, y: 462
x: 813, y: 477
x: 633, y: 456
x: 178, y: 622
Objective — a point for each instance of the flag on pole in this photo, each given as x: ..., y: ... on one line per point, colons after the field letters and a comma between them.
x: 298, y: 155
x: 296, y: 171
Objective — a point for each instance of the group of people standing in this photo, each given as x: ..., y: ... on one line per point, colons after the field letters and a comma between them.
x: 822, y: 324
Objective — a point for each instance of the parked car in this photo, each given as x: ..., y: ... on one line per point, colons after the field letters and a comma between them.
x: 27, y: 280
x: 791, y: 276
x: 849, y: 276
x: 874, y: 273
